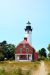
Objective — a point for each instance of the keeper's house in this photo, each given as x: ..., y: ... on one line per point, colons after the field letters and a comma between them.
x: 25, y: 51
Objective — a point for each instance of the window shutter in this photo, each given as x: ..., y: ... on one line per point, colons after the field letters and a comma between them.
x: 20, y: 50
x: 27, y: 50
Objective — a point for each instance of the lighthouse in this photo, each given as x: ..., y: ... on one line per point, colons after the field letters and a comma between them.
x: 24, y: 50
x: 28, y: 33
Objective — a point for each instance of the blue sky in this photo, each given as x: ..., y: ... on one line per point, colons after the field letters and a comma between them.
x: 14, y: 15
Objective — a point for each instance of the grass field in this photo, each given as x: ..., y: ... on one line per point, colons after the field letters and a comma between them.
x: 18, y: 68
x: 22, y: 68
x: 47, y: 65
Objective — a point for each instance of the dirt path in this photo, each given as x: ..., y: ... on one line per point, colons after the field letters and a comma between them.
x: 41, y: 70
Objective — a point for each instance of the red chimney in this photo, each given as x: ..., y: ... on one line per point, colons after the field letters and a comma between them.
x: 25, y: 38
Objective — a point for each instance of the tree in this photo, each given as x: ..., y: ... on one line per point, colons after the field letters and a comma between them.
x: 48, y: 50
x: 4, y: 42
x: 42, y: 53
x: 4, y: 47
x: 10, y: 53
x: 39, y: 52
x: 49, y: 55
x: 1, y: 54
x: 1, y: 57
x: 7, y: 50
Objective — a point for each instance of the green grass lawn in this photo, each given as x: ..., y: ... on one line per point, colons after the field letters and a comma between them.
x: 18, y: 68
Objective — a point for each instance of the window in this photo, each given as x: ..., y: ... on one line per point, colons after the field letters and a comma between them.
x: 20, y: 50
x: 23, y: 46
x: 27, y: 50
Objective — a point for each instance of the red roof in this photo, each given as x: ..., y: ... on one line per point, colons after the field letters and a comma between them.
x: 24, y: 42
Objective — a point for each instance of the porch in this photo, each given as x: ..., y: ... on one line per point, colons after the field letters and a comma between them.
x: 23, y: 57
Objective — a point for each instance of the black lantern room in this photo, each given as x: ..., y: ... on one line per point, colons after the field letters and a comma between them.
x: 28, y: 28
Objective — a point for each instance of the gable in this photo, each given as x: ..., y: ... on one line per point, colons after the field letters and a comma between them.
x: 24, y: 48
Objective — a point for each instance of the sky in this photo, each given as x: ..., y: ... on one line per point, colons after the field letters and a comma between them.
x: 14, y: 15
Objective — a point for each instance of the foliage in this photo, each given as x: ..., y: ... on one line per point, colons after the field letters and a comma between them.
x: 1, y: 57
x: 49, y: 55
x: 48, y: 50
x: 10, y: 51
x: 3, y: 72
x: 42, y: 53
x: 48, y: 47
x: 1, y: 54
x: 48, y: 73
x: 7, y: 51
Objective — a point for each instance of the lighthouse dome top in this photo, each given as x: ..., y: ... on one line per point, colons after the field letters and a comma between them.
x: 28, y: 27
x: 28, y: 23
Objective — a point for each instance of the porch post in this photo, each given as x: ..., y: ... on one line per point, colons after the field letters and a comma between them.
x: 27, y: 56
x: 31, y: 56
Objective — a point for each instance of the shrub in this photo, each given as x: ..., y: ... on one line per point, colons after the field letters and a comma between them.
x: 48, y: 73
x: 2, y: 72
x: 1, y: 57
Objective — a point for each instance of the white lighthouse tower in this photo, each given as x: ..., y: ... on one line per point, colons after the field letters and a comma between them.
x: 28, y: 33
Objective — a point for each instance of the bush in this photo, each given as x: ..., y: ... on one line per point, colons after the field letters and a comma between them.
x: 48, y: 73
x: 2, y: 72
x: 49, y: 55
x: 1, y: 57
